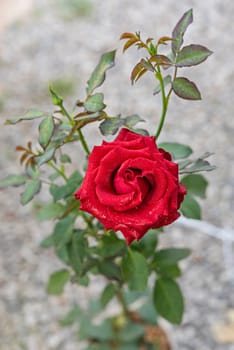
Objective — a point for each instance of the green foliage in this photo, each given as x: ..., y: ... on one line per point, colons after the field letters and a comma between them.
x: 56, y: 99
x: 50, y: 211
x: 192, y: 55
x: 57, y: 282
x: 32, y: 114
x: 191, y: 208
x: 166, y: 81
x: 168, y: 300
x: 73, y: 315
x: 197, y: 165
x: 196, y: 184
x: 107, y: 294
x: 46, y: 130
x: 30, y: 191
x: 94, y: 103
x: 170, y: 256
x: 45, y: 157
x: 62, y: 192
x: 186, y: 89
x: 111, y: 125
x: 179, y: 30
x: 98, y: 76
x: 177, y: 150
x: 135, y: 270
x: 147, y: 245
x: 13, y: 180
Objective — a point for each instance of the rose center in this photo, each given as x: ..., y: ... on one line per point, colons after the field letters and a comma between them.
x: 131, y: 180
x: 131, y: 173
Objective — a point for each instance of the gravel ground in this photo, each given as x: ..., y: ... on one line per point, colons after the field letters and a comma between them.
x: 50, y: 44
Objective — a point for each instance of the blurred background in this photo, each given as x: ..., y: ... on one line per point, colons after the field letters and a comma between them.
x: 60, y: 42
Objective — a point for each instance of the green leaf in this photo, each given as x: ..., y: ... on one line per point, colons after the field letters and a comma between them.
x: 73, y: 315
x: 13, y: 180
x: 170, y: 256
x: 166, y: 81
x: 131, y: 332
x: 196, y: 184
x: 33, y: 172
x: 46, y: 130
x: 192, y: 55
x: 77, y: 251
x: 177, y: 150
x: 148, y: 312
x: 56, y: 99
x: 50, y: 211
x: 65, y: 158
x: 45, y: 157
x: 110, y: 126
x: 94, y: 103
x: 110, y: 246
x: 135, y: 270
x: 131, y: 120
x: 190, y: 208
x: 32, y: 114
x: 110, y: 269
x: 63, y: 231
x: 100, y: 332
x: 179, y: 30
x: 168, y: 300
x: 147, y: 244
x: 199, y: 165
x: 57, y: 281
x: 47, y: 242
x: 62, y: 253
x: 186, y: 89
x: 171, y: 271
x: 30, y: 191
x: 60, y: 192
x: 98, y: 75
x: 107, y: 294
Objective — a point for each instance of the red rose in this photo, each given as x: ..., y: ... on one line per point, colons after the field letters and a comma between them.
x: 131, y: 185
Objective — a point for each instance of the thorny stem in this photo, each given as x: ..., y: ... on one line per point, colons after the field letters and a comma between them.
x: 65, y: 112
x: 83, y: 142
x: 81, y: 136
x: 120, y: 297
x: 60, y: 172
x: 165, y: 100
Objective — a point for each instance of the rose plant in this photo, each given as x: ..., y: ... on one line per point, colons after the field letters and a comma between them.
x: 109, y: 217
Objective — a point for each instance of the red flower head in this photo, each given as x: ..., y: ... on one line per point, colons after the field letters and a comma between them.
x: 131, y: 185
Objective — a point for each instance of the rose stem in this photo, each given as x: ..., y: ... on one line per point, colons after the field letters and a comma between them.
x: 81, y: 136
x: 165, y: 100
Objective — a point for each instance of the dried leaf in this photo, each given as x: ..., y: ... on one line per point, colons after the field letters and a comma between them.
x: 129, y: 43
x: 127, y: 35
x: 20, y: 148
x: 163, y: 40
x: 136, y: 70
x: 23, y: 157
x: 147, y: 65
x: 160, y: 60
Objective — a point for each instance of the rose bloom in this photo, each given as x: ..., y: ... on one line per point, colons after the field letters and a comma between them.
x: 131, y: 185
